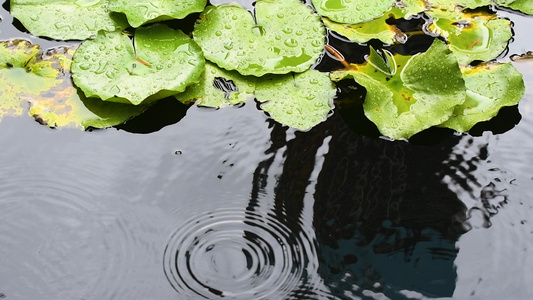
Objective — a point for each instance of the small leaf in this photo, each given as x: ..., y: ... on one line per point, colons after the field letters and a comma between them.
x: 423, y: 92
x: 162, y: 62
x: 491, y: 86
x: 472, y: 36
x: 285, y: 36
x: 66, y: 19
x: 300, y: 101
x: 385, y: 64
x: 218, y: 88
x: 140, y: 12
x: 352, y: 11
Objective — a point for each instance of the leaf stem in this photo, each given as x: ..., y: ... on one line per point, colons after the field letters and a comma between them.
x: 337, y: 55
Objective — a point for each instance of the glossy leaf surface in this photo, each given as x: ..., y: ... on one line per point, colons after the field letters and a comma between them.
x: 285, y: 36
x: 373, y: 29
x: 218, y: 88
x: 352, y: 11
x: 491, y: 86
x: 299, y: 100
x: 66, y: 19
x: 472, y: 36
x: 422, y: 93
x: 140, y: 12
x: 161, y: 62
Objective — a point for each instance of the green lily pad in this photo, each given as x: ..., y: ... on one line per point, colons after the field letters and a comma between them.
x: 16, y: 78
x: 472, y: 36
x: 140, y: 12
x: 42, y: 80
x: 423, y: 92
x: 352, y: 11
x: 161, y: 62
x: 374, y: 29
x: 285, y: 36
x: 299, y: 100
x: 525, y: 6
x: 218, y: 88
x: 66, y: 19
x: 453, y: 4
x: 491, y: 86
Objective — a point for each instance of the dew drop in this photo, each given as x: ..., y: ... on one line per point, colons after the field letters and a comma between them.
x: 114, y: 89
x: 234, y: 17
x: 159, y: 67
x: 291, y: 43
x: 316, y: 43
x: 85, y: 66
x: 218, y: 33
x: 110, y: 75
x: 281, y: 16
x: 287, y: 30
x: 228, y: 46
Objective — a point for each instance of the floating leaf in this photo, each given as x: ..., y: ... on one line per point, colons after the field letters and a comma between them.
x: 352, y: 11
x: 300, y: 101
x: 161, y: 62
x: 472, y: 36
x: 284, y: 37
x: 525, y: 6
x: 423, y: 92
x: 16, y: 77
x: 140, y: 12
x: 43, y: 80
x: 374, y: 29
x: 491, y: 86
x: 66, y: 19
x: 219, y: 87
x: 453, y: 5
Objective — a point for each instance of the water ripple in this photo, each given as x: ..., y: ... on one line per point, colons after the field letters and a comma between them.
x: 241, y: 255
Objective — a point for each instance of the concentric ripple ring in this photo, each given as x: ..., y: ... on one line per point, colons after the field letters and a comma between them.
x: 237, y: 254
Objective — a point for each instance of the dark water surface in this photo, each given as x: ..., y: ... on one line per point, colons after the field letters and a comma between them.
x: 227, y: 204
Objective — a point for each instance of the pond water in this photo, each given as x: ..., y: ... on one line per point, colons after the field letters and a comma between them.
x: 229, y: 204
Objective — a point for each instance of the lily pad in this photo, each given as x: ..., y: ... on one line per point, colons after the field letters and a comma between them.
x: 16, y: 76
x: 423, y: 92
x: 218, y: 88
x: 525, y: 6
x: 140, y: 12
x: 453, y: 4
x: 66, y: 19
x: 299, y: 100
x: 161, y: 62
x: 374, y: 29
x: 285, y: 36
x: 472, y: 36
x: 352, y: 11
x: 491, y: 86
x: 42, y: 80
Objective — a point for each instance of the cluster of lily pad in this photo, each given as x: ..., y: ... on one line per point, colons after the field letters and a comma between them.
x: 129, y: 59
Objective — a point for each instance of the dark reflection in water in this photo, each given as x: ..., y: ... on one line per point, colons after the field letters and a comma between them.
x: 383, y: 219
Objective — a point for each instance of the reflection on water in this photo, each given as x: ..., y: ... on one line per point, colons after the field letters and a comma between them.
x: 249, y: 209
